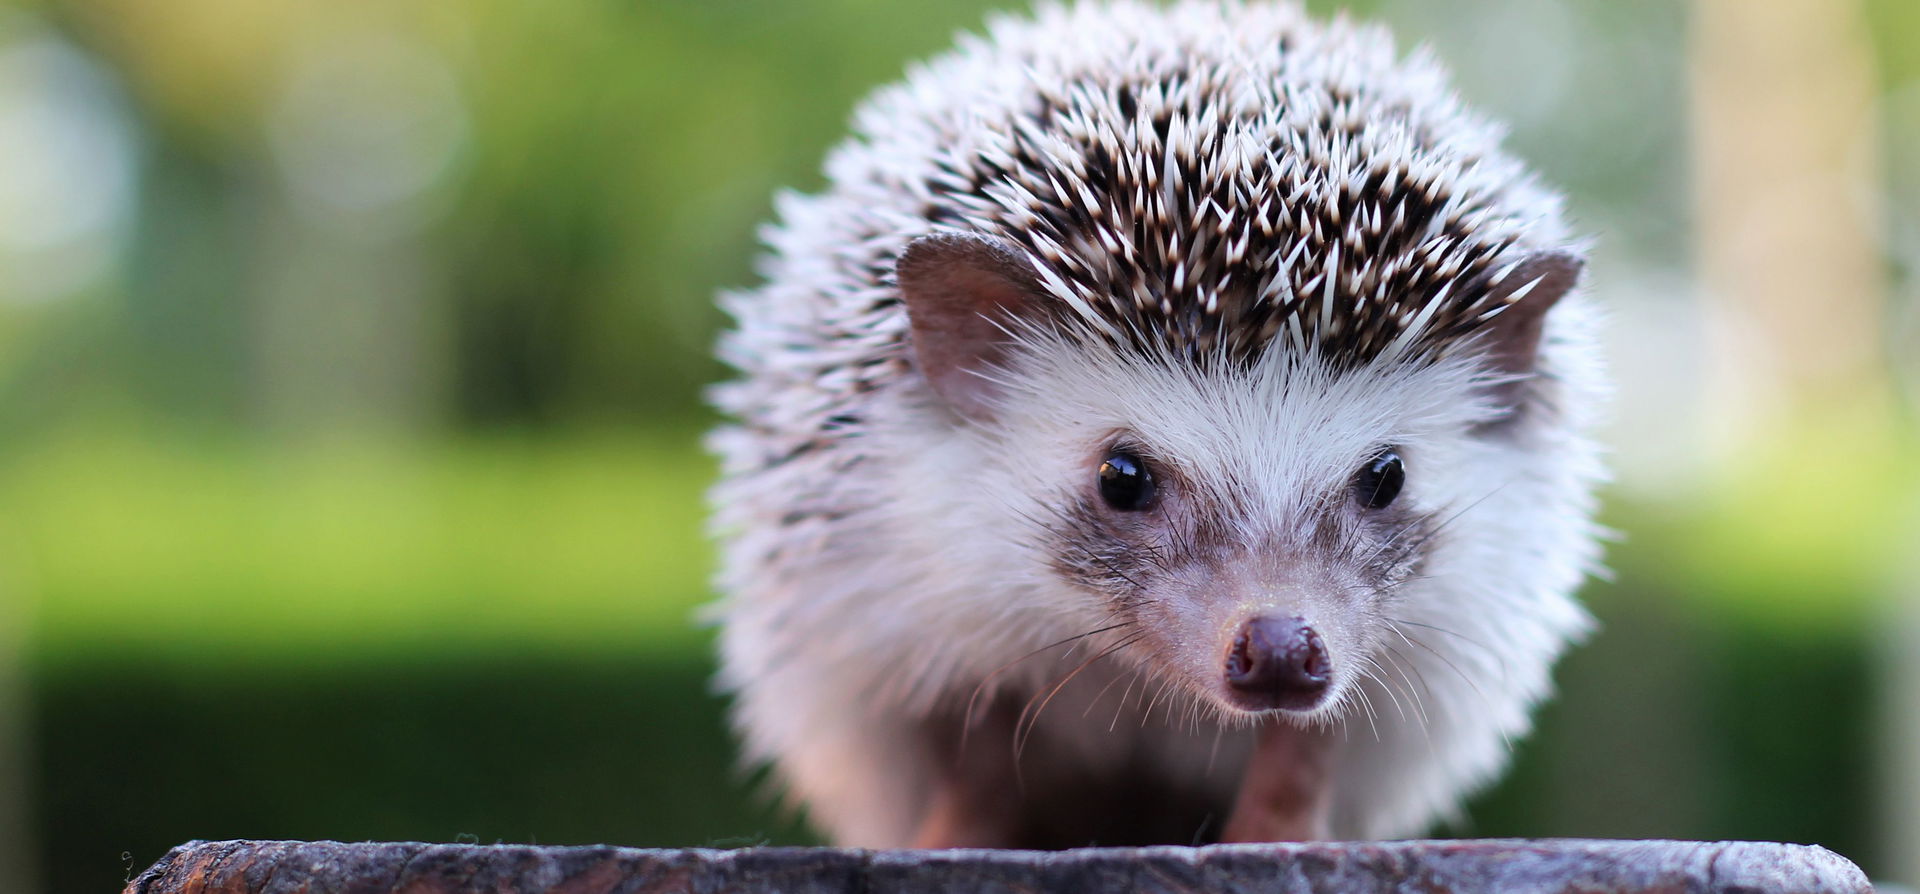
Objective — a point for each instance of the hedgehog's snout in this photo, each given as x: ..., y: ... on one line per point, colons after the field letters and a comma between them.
x: 1277, y: 663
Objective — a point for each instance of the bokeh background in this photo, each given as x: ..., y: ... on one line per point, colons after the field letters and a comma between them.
x: 350, y: 360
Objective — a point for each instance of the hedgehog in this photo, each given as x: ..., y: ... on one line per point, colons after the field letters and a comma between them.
x: 1169, y: 424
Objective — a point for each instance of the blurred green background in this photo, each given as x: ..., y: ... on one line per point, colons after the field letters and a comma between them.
x: 350, y: 362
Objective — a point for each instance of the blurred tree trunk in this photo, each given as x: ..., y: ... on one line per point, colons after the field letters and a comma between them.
x: 1787, y: 183
x: 349, y: 334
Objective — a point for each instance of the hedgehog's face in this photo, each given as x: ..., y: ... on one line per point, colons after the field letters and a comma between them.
x: 1256, y: 531
x: 1257, y: 602
x: 1252, y: 531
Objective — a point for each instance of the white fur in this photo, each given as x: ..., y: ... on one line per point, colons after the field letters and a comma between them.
x: 881, y: 567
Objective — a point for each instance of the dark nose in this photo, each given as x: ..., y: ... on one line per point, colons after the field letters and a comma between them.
x: 1278, y: 663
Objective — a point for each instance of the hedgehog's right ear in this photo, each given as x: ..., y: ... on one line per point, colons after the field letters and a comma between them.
x: 963, y: 294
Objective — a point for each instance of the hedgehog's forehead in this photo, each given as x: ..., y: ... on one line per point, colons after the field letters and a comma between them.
x: 1325, y: 215
x: 1269, y: 434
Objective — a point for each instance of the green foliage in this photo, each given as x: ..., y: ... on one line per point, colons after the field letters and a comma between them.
x: 480, y: 748
x: 215, y: 551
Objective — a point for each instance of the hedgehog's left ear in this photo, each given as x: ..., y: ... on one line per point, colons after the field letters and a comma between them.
x: 1528, y: 291
x: 963, y: 293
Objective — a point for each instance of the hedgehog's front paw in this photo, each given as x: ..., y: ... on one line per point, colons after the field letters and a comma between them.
x: 1285, y: 793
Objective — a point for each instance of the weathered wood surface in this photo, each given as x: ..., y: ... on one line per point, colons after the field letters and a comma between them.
x: 1589, y: 867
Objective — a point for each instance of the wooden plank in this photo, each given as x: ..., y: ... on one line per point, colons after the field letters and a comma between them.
x: 1548, y: 865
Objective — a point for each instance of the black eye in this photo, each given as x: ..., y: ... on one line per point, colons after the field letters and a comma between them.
x: 1125, y: 482
x: 1380, y: 480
